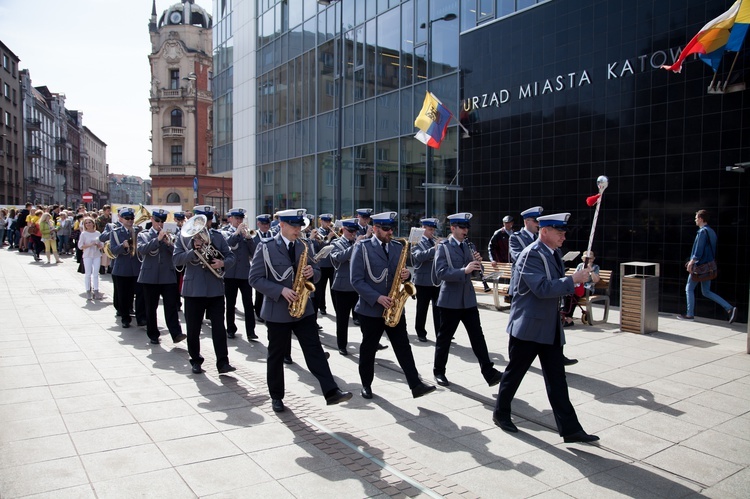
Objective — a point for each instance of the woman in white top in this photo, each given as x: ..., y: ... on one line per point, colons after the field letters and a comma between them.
x: 89, y: 243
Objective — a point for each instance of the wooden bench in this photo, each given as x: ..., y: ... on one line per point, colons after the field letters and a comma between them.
x: 587, y: 317
x: 498, y: 280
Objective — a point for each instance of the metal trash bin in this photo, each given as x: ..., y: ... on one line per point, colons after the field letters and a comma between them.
x: 639, y: 297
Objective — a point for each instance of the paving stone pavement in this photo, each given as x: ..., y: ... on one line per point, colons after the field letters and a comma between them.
x: 88, y: 409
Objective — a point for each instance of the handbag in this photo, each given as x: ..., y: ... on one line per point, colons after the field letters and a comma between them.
x: 706, y: 272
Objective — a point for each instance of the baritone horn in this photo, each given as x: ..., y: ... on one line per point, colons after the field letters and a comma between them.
x: 194, y: 228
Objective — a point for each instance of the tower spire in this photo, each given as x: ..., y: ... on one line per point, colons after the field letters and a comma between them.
x: 152, y: 22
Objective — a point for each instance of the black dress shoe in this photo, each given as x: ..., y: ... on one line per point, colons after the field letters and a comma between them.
x: 442, y: 380
x: 569, y: 362
x: 580, y: 436
x: 155, y: 341
x: 258, y: 319
x: 125, y: 325
x: 495, y: 379
x: 337, y: 397
x: 422, y: 339
x: 288, y: 359
x: 226, y: 368
x: 343, y: 351
x: 197, y: 369
x: 252, y: 336
x: 356, y: 322
x: 504, y: 423
x: 382, y: 347
x: 141, y: 323
x: 327, y: 355
x: 366, y: 392
x: 421, y: 389
x: 277, y: 405
x: 180, y: 337
x: 230, y: 334
x: 320, y: 328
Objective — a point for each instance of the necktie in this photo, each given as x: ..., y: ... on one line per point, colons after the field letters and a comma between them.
x: 385, y: 248
x: 560, y: 263
x: 292, y: 256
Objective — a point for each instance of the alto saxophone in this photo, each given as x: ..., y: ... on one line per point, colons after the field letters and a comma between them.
x: 301, y: 286
x: 399, y: 293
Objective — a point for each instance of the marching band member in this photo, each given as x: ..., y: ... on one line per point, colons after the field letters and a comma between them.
x: 457, y: 301
x: 373, y: 269
x: 323, y: 237
x: 342, y: 291
x: 535, y: 328
x: 235, y: 278
x: 274, y: 272
x: 126, y: 268
x: 158, y: 278
x: 428, y: 289
x: 263, y: 222
x: 179, y: 218
x: 203, y: 291
x: 519, y: 240
x: 364, y: 216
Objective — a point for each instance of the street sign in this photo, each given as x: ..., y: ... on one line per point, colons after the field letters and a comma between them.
x: 195, y: 184
x: 87, y: 197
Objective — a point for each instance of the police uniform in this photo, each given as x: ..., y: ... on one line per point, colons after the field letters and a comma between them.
x: 125, y: 270
x: 423, y: 256
x: 179, y: 218
x: 204, y: 295
x: 522, y: 238
x: 272, y: 272
x: 363, y: 213
x: 326, y: 267
x: 536, y: 329
x: 343, y: 293
x: 158, y: 279
x: 457, y: 302
x: 373, y: 270
x: 264, y: 218
x: 235, y: 278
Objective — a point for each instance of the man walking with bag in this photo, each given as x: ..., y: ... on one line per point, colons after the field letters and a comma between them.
x: 703, y: 253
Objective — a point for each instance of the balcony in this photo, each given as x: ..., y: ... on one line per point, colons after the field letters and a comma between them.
x: 61, y: 141
x: 157, y: 170
x: 62, y: 163
x: 167, y: 93
x: 33, y: 124
x: 34, y: 152
x: 173, y: 132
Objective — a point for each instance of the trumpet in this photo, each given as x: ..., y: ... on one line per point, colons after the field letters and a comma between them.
x: 196, y: 228
x: 246, y: 231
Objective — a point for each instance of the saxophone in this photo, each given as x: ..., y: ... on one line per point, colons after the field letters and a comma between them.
x: 399, y: 293
x: 301, y: 286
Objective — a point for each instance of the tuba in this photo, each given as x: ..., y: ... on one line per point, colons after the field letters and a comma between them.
x: 301, y: 286
x: 196, y: 228
x: 107, y: 250
x: 399, y: 293
x: 141, y: 215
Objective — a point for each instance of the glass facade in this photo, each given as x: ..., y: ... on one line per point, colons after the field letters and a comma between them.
x: 222, y: 86
x: 377, y: 79
x: 557, y: 95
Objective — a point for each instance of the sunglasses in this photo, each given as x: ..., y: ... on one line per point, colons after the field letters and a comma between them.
x: 386, y: 228
x: 128, y: 218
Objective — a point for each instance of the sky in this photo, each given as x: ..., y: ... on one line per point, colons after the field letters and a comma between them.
x: 96, y: 53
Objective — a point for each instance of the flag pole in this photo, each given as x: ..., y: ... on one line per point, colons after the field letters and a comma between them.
x: 736, y: 54
x: 602, y: 182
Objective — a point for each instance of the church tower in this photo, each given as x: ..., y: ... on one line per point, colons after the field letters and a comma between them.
x: 181, y: 104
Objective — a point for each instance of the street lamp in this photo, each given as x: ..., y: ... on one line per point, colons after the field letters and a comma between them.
x: 428, y: 168
x: 337, y: 161
x: 192, y: 77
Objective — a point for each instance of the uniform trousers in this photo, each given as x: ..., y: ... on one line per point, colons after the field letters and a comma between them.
x: 127, y: 288
x: 425, y: 296
x: 231, y: 287
x: 372, y: 330
x: 168, y: 293
x: 449, y: 319
x: 326, y: 277
x: 343, y: 303
x: 279, y: 343
x: 195, y: 308
x: 522, y: 354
